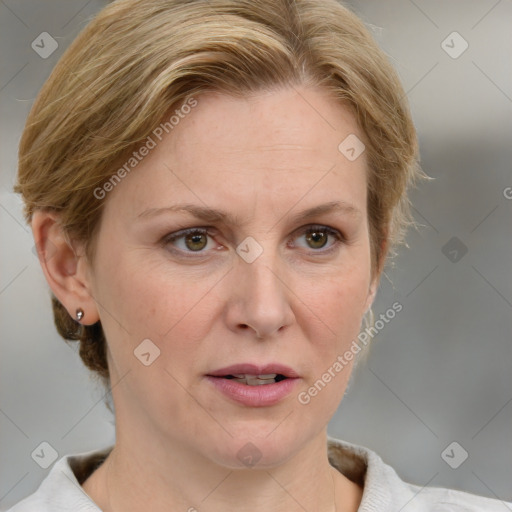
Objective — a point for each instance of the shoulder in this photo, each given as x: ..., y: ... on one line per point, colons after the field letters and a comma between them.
x: 61, y: 490
x: 385, y: 491
x: 449, y: 500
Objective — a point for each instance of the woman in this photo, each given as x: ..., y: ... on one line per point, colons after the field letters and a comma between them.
x: 214, y: 188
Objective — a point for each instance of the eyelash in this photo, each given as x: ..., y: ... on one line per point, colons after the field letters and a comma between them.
x: 172, y: 237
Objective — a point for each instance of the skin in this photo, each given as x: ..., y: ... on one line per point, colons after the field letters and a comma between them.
x: 263, y: 158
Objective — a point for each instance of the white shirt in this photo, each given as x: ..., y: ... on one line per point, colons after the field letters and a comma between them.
x: 384, y: 491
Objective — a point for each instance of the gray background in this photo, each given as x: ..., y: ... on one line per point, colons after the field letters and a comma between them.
x: 438, y: 372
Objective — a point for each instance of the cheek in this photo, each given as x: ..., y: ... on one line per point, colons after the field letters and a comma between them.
x: 339, y: 310
x: 338, y: 305
x: 340, y: 298
x: 336, y: 324
x: 148, y: 301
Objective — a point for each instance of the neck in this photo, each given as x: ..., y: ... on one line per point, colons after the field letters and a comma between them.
x: 136, y: 475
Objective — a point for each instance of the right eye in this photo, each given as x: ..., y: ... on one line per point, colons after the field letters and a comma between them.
x: 192, y: 240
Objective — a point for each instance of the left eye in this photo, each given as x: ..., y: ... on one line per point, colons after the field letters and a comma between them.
x: 317, y: 236
x: 196, y: 239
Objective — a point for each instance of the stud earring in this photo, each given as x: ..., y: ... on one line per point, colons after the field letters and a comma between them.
x: 79, y: 314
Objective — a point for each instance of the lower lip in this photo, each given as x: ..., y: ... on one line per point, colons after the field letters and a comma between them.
x: 254, y: 396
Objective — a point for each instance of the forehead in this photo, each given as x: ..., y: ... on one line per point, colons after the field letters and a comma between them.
x: 290, y: 122
x: 273, y: 147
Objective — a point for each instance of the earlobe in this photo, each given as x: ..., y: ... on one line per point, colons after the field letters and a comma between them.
x: 64, y: 269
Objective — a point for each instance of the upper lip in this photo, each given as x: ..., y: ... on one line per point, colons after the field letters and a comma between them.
x: 254, y: 369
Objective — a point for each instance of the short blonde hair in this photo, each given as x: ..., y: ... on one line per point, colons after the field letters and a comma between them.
x: 139, y: 59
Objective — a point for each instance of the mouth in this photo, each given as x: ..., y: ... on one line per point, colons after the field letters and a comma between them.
x: 256, y: 380
x: 255, y: 375
x: 255, y: 385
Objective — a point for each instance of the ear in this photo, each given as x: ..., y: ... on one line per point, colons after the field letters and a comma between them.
x: 374, y: 285
x: 372, y: 291
x: 65, y: 267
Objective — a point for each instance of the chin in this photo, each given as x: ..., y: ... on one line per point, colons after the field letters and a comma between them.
x: 259, y: 448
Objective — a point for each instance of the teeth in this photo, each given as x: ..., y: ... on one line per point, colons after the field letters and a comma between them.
x: 247, y: 375
x: 259, y: 382
x: 255, y: 380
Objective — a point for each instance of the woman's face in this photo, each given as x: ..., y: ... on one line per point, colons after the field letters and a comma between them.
x: 252, y: 288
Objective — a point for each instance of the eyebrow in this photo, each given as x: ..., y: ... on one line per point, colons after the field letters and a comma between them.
x: 207, y: 214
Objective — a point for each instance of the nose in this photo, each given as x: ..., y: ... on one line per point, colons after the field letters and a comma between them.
x: 259, y: 297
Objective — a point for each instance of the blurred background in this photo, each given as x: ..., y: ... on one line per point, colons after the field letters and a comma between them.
x: 434, y: 398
